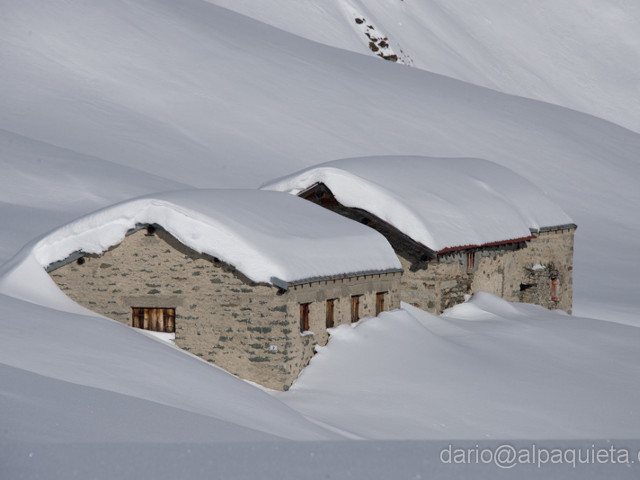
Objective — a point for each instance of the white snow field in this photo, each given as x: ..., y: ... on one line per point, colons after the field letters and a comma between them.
x: 581, y: 54
x: 104, y: 102
x: 483, y: 369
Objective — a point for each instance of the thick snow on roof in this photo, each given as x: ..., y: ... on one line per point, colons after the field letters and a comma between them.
x: 263, y: 234
x: 439, y: 202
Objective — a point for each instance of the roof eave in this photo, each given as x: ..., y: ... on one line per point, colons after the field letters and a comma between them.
x: 485, y: 245
x: 285, y: 285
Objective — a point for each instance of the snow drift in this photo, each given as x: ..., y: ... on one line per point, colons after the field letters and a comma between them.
x: 484, y: 369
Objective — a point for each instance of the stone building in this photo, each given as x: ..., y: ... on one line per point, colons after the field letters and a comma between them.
x: 247, y: 280
x: 458, y: 225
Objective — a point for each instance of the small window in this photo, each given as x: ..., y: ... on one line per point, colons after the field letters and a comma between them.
x: 380, y: 302
x: 330, y: 313
x: 554, y: 289
x: 154, y: 319
x: 355, y: 308
x: 471, y: 260
x: 304, y: 317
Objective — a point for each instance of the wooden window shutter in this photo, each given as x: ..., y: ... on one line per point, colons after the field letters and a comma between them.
x: 471, y: 260
x: 355, y: 308
x: 154, y: 319
x: 304, y: 317
x: 380, y: 302
x: 330, y: 313
x: 554, y: 289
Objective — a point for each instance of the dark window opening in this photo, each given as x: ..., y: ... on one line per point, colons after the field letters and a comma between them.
x: 304, y: 317
x: 526, y: 286
x: 154, y: 319
x: 355, y: 308
x: 80, y: 261
x: 150, y: 230
x: 330, y: 313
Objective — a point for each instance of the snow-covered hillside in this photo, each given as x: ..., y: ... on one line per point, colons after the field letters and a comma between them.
x: 580, y: 54
x: 106, y: 101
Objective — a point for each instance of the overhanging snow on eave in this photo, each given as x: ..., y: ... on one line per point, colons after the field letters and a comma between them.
x: 275, y: 281
x: 306, y: 190
x: 427, y: 250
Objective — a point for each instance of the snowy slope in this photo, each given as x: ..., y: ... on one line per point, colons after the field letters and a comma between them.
x: 485, y: 369
x: 90, y: 397
x: 44, y: 186
x: 53, y: 362
x: 580, y: 54
x: 438, y: 202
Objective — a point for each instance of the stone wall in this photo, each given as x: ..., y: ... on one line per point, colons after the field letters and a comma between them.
x: 517, y: 272
x: 522, y: 272
x: 251, y: 330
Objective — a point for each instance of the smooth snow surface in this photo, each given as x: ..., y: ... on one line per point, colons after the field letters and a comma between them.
x: 69, y: 378
x: 484, y: 369
x: 439, y: 202
x: 262, y: 234
x: 581, y: 54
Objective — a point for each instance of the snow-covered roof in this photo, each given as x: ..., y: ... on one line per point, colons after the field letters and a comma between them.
x: 441, y: 203
x: 268, y: 236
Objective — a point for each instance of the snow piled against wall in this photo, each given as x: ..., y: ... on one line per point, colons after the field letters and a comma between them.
x: 484, y: 369
x: 262, y: 234
x: 439, y: 202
